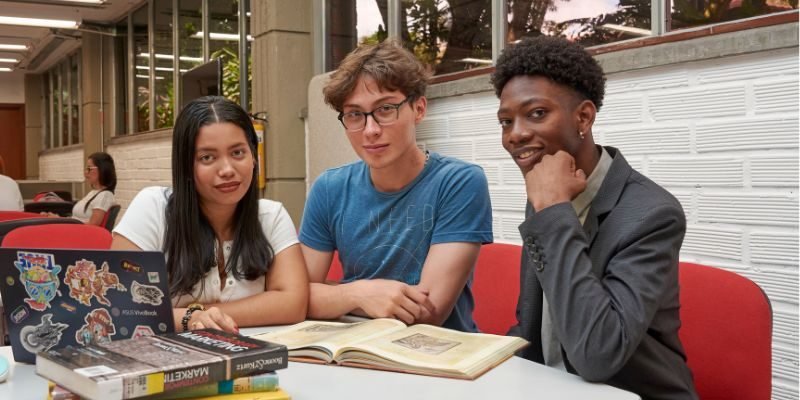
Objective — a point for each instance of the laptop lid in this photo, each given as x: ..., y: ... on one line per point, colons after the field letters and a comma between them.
x: 55, y: 297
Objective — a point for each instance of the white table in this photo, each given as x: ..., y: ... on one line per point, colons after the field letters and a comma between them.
x: 516, y: 378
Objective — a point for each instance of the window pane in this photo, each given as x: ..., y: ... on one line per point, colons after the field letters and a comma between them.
x: 340, y: 38
x: 76, y: 100
x: 121, y: 78
x: 189, y: 41
x: 142, y: 71
x: 692, y: 13
x: 449, y: 36
x: 589, y: 22
x: 224, y: 43
x: 163, y: 61
x: 249, y: 101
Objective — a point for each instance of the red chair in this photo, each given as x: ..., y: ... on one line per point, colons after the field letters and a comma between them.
x: 726, y: 330
x: 495, y: 287
x: 59, y: 236
x: 111, y: 217
x: 12, y: 215
x: 335, y: 273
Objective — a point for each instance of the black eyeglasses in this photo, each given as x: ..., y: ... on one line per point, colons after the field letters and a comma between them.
x: 89, y: 169
x: 386, y: 114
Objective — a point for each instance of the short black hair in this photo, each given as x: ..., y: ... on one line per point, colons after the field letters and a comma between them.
x: 555, y: 58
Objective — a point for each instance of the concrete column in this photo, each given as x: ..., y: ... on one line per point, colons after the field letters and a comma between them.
x: 96, y: 91
x: 282, y: 69
x: 34, y: 112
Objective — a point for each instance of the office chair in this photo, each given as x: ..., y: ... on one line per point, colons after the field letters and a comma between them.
x: 495, y: 287
x: 726, y: 331
x: 111, y: 217
x: 12, y: 215
x: 335, y: 273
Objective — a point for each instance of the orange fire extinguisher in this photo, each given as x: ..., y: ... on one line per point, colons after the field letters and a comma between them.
x: 260, y: 125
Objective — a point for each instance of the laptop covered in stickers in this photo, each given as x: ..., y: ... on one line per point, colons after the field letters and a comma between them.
x: 56, y: 297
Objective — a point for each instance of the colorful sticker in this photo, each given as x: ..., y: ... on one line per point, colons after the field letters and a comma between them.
x: 142, y: 330
x: 152, y: 277
x: 10, y: 280
x: 131, y: 267
x: 146, y: 294
x: 85, y: 281
x: 68, y: 307
x: 19, y: 314
x: 39, y: 274
x: 42, y: 337
x: 98, y: 329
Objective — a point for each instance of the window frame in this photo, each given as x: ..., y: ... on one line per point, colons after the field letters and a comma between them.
x: 659, y: 33
x: 56, y: 80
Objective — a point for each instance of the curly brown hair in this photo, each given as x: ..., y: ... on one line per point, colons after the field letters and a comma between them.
x: 388, y: 63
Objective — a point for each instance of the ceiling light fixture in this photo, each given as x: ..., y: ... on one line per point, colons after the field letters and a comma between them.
x: 164, y: 69
x: 8, y: 60
x: 40, y: 22
x: 5, y: 69
x: 7, y: 46
x: 221, y: 36
x: 169, y: 57
x: 627, y: 29
x: 87, y: 1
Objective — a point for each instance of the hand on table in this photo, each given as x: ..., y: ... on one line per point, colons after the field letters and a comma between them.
x: 213, y: 318
x: 382, y: 298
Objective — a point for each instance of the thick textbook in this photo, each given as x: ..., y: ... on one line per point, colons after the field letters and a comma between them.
x: 130, y: 368
x: 390, y: 345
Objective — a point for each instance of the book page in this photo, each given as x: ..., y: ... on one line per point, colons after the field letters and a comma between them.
x: 433, y: 348
x: 330, y: 335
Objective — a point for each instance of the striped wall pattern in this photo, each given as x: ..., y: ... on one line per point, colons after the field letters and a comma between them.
x: 721, y: 135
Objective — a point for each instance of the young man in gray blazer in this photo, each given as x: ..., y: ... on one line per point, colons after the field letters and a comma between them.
x: 599, y: 269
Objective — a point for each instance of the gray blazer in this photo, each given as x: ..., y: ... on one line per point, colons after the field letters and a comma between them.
x: 612, y: 285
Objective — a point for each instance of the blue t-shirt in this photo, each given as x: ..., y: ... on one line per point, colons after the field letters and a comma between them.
x: 387, y: 235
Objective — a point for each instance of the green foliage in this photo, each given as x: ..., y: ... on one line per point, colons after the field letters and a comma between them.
x: 230, y: 74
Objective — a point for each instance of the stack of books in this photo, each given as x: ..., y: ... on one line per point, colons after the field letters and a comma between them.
x: 201, y: 364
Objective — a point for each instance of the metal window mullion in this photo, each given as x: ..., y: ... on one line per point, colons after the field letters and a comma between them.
x: 60, y: 106
x: 131, y: 71
x: 206, y: 35
x: 393, y: 19
x: 499, y: 27
x: 243, y: 55
x: 151, y: 85
x: 176, y: 61
x: 51, y: 128
x: 658, y: 21
x: 69, y: 100
x: 80, y: 92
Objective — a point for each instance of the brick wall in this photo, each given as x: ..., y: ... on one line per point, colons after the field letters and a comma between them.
x: 63, y: 165
x: 141, y: 163
x: 721, y: 135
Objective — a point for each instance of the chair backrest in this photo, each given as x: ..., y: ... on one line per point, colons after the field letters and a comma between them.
x: 726, y: 330
x: 12, y: 215
x: 335, y: 273
x: 59, y: 236
x: 110, y: 217
x: 10, y: 225
x: 495, y: 287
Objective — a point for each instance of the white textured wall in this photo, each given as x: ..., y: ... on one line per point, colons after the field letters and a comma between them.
x: 141, y: 163
x: 721, y: 135
x: 64, y: 165
x: 12, y: 87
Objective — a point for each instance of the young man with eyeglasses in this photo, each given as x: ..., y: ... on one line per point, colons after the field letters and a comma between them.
x: 408, y: 224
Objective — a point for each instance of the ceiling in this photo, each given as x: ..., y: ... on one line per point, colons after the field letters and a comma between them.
x: 47, y: 46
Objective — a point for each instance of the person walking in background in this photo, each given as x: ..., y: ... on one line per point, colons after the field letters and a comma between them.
x: 408, y: 224
x: 101, y: 175
x: 233, y: 260
x: 599, y: 271
x: 10, y: 196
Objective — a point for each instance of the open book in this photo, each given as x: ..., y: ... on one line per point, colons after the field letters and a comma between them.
x: 389, y: 344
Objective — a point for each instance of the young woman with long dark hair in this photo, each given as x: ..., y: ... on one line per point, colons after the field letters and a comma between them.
x: 233, y: 260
